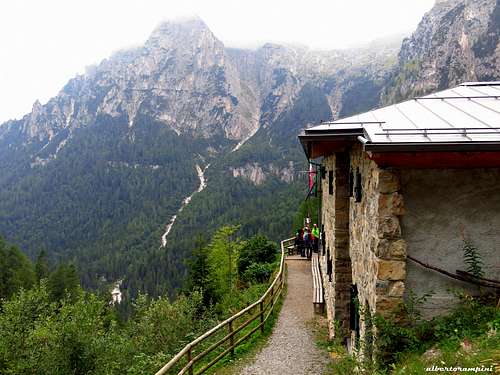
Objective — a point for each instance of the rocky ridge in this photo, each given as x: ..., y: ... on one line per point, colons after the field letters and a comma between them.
x: 184, y: 77
x: 456, y: 41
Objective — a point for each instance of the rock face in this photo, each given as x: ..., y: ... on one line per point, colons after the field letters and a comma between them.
x: 179, y: 77
x: 184, y: 77
x: 257, y: 174
x: 457, y: 41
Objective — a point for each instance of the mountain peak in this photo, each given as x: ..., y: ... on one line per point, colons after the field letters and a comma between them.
x: 178, y: 30
x: 189, y: 23
x: 439, y: 2
x: 37, y: 105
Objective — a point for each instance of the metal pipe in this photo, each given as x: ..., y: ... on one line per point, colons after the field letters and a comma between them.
x: 362, y: 139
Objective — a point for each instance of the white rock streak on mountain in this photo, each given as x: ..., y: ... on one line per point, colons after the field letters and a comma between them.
x: 185, y: 202
x: 242, y: 142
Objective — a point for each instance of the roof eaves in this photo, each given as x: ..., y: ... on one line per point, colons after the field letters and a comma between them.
x: 431, y: 146
x: 336, y: 129
x: 307, y: 140
x: 485, y: 83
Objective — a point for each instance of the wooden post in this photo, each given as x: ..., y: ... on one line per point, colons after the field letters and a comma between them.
x: 189, y: 355
x: 231, y: 338
x: 261, y: 305
x: 272, y: 298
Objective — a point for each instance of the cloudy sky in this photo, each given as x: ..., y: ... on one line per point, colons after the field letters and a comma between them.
x: 43, y: 43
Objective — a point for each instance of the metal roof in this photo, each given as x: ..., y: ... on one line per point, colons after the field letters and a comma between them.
x: 467, y: 115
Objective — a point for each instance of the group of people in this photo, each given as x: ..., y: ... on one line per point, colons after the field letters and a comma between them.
x: 307, y: 240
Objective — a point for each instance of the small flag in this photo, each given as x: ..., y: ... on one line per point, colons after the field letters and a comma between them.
x: 312, y: 174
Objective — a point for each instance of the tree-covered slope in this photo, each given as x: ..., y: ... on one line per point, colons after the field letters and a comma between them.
x: 104, y: 200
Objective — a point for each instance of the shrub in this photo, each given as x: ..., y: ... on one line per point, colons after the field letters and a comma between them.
x: 256, y: 250
x: 258, y: 272
x: 472, y: 317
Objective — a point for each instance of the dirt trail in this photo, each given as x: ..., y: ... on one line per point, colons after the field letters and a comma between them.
x: 291, y: 349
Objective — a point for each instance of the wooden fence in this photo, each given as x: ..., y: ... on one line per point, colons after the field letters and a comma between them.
x: 200, y: 348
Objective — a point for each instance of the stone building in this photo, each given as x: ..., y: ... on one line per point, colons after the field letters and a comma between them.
x: 411, y: 181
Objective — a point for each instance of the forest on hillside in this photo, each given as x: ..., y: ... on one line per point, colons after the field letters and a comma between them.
x: 51, y: 325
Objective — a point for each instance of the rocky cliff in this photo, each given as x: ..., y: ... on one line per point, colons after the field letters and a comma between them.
x: 184, y: 77
x: 456, y: 41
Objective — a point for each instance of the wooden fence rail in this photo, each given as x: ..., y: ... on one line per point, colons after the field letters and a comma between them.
x: 261, y: 309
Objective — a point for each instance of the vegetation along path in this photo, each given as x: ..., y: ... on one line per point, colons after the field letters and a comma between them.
x: 291, y: 349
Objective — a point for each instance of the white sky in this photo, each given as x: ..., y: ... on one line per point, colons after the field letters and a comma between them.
x: 43, y: 43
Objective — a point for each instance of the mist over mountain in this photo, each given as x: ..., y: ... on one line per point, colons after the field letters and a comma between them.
x: 96, y: 174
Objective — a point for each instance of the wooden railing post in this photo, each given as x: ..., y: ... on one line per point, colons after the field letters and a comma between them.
x: 190, y: 357
x: 261, y: 306
x: 272, y: 298
x: 231, y: 339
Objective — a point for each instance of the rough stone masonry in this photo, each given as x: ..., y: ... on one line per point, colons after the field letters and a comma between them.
x: 363, y: 238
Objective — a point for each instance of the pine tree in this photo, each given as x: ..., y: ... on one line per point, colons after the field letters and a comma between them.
x: 63, y: 282
x: 42, y: 266
x: 16, y: 270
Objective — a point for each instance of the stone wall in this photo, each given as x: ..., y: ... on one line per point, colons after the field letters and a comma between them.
x: 443, y: 207
x: 377, y: 249
x: 328, y: 220
x: 363, y: 239
x: 335, y: 217
x: 341, y: 261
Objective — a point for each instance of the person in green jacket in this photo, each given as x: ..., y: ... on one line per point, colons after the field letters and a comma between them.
x: 315, y: 237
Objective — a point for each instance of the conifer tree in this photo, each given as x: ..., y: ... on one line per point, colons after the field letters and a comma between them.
x: 42, y: 266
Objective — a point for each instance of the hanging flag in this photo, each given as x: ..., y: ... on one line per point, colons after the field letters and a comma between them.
x: 312, y: 174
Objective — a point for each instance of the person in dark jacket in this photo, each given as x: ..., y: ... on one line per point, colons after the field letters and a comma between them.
x: 299, y: 241
x: 307, y: 242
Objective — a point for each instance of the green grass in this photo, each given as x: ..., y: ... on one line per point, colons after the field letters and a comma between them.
x: 483, y: 350
x: 340, y: 361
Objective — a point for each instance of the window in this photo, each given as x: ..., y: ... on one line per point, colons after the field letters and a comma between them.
x: 354, y: 313
x: 323, y: 239
x: 351, y: 183
x: 329, y: 266
x: 330, y: 182
x: 323, y: 172
x: 358, y: 187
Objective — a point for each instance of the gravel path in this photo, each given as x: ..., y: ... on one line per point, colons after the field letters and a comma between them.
x: 291, y: 349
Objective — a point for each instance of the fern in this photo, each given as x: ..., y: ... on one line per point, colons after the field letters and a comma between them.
x: 473, y: 259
